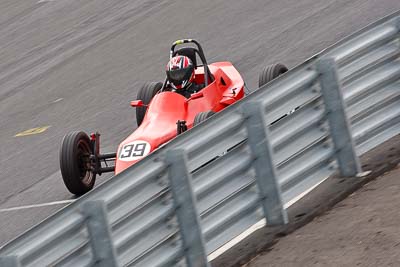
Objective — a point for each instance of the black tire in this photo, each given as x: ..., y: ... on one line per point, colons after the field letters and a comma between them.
x: 146, y: 93
x: 202, y: 116
x: 270, y: 72
x: 75, y: 163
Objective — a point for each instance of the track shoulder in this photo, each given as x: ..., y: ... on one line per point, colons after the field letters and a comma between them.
x: 380, y: 160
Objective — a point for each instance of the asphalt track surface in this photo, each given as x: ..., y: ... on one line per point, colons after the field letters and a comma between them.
x: 75, y: 65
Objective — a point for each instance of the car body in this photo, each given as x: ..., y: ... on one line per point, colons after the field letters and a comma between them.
x: 167, y: 108
x: 167, y: 114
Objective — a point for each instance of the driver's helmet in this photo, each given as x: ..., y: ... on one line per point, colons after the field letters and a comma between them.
x: 180, y: 72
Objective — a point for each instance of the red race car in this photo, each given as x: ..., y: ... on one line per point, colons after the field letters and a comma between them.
x: 161, y: 115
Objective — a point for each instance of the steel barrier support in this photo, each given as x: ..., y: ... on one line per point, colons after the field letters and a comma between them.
x: 186, y: 210
x: 266, y: 178
x: 335, y: 108
x: 100, y: 234
x: 9, y: 261
x: 398, y: 24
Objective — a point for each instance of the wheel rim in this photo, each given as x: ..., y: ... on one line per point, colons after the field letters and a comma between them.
x: 84, y: 164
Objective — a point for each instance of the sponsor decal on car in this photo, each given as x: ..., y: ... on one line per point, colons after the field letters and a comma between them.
x: 134, y: 150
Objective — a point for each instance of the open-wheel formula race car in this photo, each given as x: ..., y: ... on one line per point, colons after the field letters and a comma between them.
x: 161, y: 115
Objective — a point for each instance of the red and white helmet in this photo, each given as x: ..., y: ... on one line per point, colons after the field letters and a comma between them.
x: 180, y: 72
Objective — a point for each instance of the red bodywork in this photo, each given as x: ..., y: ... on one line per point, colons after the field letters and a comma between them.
x: 166, y: 108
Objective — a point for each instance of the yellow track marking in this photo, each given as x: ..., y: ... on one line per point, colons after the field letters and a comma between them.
x: 32, y: 131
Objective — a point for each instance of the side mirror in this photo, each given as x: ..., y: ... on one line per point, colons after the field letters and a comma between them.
x: 196, y: 95
x: 137, y: 103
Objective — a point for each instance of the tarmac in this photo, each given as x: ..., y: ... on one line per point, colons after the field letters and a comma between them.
x: 362, y: 230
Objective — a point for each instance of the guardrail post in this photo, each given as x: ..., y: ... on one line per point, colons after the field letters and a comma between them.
x: 9, y: 261
x: 335, y: 107
x: 398, y: 23
x: 264, y: 165
x: 186, y: 210
x: 99, y: 232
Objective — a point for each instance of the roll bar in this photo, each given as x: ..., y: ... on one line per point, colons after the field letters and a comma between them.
x: 200, y: 52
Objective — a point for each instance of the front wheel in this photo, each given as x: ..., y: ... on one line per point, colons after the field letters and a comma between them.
x: 75, y: 163
x: 146, y: 94
x: 271, y: 72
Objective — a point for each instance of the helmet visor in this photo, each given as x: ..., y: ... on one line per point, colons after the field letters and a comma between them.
x: 177, y: 76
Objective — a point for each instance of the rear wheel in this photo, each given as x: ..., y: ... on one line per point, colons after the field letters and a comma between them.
x: 270, y: 72
x: 146, y: 93
x: 202, y: 116
x: 75, y: 163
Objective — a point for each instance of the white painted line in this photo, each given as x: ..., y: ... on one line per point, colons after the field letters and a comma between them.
x: 294, y: 200
x: 58, y: 100
x: 236, y: 240
x: 38, y: 205
x: 254, y: 227
x: 45, y: 1
x: 363, y: 174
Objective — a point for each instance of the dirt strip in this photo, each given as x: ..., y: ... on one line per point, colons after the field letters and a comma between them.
x: 362, y: 230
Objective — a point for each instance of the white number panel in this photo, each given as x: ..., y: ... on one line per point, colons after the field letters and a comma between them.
x: 134, y: 150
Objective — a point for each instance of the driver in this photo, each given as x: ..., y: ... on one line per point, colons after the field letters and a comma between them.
x: 180, y: 75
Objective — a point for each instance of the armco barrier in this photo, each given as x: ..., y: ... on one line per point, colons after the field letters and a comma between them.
x: 210, y: 184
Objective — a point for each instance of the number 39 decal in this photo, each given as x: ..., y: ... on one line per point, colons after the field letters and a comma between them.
x: 134, y: 151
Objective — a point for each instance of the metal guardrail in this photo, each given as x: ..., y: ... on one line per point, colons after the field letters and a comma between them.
x: 213, y: 182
